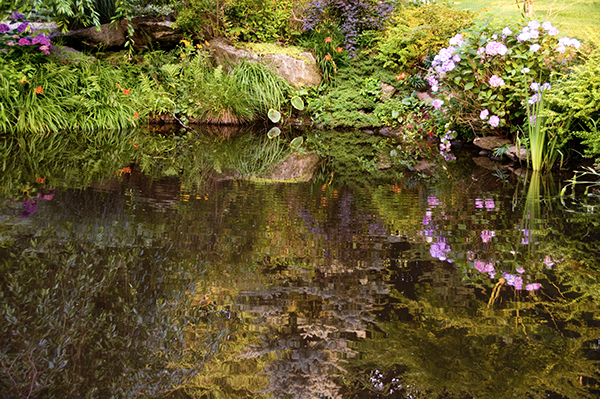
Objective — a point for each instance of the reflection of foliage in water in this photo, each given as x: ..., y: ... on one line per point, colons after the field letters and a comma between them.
x: 198, y: 153
x: 32, y: 162
x: 85, y: 321
x: 360, y: 158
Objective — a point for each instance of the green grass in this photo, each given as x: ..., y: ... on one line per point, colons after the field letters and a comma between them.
x: 580, y: 19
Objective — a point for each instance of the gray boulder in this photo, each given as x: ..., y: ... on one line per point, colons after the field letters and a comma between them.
x: 299, y: 72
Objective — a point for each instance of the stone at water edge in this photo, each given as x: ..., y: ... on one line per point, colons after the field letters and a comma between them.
x: 490, y: 142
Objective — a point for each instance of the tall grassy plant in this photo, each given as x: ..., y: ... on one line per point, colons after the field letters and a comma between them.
x: 265, y: 88
x: 543, y: 147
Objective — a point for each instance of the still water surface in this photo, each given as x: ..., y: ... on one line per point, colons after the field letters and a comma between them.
x: 456, y: 287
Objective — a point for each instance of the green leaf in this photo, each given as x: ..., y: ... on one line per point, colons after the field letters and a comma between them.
x: 297, y: 142
x: 274, y: 132
x: 395, y: 114
x: 274, y: 115
x: 469, y: 86
x: 298, y: 103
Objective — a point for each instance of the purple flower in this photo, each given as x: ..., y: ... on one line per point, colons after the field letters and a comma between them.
x: 439, y: 250
x: 532, y: 119
x: 533, y: 25
x: 533, y: 286
x: 480, y: 50
x: 495, y: 48
x: 534, y: 47
x: 21, y: 28
x: 524, y: 35
x: 535, y: 98
x: 520, y: 269
x: 535, y: 86
x: 496, y: 81
x: 41, y: 39
x: 484, y: 114
x: 494, y: 120
x: 506, y: 31
x: 548, y: 262
x: 534, y: 34
x: 545, y: 86
x: 478, y: 203
x: 4, y: 28
x: 552, y: 31
x: 433, y: 201
x: 17, y: 16
x: 24, y: 42
x: 489, y: 203
x: 437, y: 103
x: 457, y: 40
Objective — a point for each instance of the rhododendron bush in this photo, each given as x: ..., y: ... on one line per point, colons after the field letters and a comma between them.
x: 488, y: 73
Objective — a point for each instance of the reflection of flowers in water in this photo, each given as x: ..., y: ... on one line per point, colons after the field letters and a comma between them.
x: 487, y: 203
x: 486, y: 235
x: 515, y: 281
x: 432, y: 201
x: 30, y: 206
x: 440, y: 249
x: 533, y: 286
x: 427, y: 219
x: 485, y: 267
x: 525, y: 238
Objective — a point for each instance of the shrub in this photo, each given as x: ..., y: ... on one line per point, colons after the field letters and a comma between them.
x: 575, y: 104
x: 486, y: 73
x: 246, y: 20
x: 352, y: 16
x: 416, y: 32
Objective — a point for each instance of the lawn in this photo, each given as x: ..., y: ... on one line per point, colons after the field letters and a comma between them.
x: 580, y: 19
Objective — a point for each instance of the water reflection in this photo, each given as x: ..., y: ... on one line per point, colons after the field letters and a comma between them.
x: 131, y: 285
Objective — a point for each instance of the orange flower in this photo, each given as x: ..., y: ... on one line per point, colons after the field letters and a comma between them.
x: 401, y: 76
x: 39, y: 90
x: 23, y: 80
x: 126, y: 92
x: 328, y: 57
x: 328, y: 39
x: 136, y: 115
x: 339, y: 49
x: 126, y: 170
x: 136, y: 146
x: 40, y: 180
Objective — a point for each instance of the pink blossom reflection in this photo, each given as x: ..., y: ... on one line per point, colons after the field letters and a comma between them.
x: 486, y: 235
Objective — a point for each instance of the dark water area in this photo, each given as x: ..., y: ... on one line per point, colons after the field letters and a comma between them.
x: 469, y: 284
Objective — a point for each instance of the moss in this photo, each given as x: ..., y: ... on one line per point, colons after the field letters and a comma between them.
x: 273, y: 48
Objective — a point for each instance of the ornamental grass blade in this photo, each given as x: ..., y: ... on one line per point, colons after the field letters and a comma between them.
x: 274, y: 115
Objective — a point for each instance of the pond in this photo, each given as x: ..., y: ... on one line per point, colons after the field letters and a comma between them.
x: 470, y: 284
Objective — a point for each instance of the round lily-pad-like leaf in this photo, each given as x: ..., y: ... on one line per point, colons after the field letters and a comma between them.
x: 274, y: 132
x: 274, y: 115
x: 298, y: 103
x: 297, y: 142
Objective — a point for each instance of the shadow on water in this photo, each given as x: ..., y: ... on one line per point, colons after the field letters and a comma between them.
x: 129, y: 268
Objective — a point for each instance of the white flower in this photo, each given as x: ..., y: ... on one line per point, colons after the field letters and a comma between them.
x: 525, y: 70
x: 534, y: 47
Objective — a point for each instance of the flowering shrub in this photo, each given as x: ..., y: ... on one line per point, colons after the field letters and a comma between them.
x: 17, y: 36
x: 416, y: 32
x: 353, y: 16
x: 486, y: 72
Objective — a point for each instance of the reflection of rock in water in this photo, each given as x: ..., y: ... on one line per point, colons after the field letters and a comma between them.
x: 310, y: 328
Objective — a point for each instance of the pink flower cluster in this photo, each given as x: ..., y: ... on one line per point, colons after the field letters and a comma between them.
x: 495, y: 48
